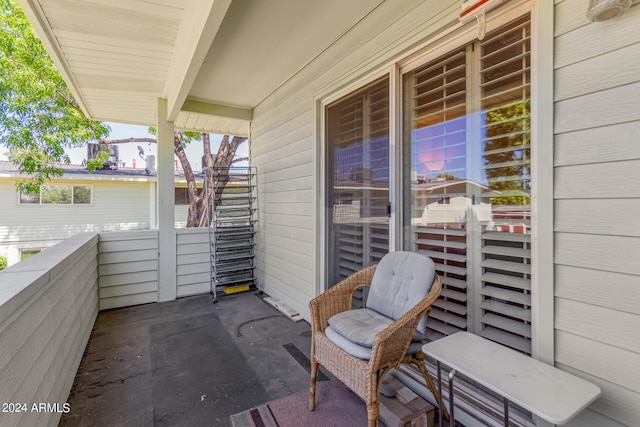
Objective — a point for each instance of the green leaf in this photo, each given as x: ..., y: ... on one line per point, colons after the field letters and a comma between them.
x: 38, y: 116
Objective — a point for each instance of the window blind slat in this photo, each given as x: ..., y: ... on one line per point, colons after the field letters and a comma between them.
x: 517, y: 342
x: 507, y: 310
x: 506, y: 324
x: 450, y: 306
x: 506, y: 280
x: 507, y: 266
x: 506, y: 295
x: 506, y: 251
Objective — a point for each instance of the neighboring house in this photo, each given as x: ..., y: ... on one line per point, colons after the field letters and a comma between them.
x: 543, y: 110
x: 81, y: 200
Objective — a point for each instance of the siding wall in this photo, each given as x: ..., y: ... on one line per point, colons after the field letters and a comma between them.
x: 193, y: 264
x: 48, y: 305
x: 597, y: 171
x: 128, y: 268
x: 118, y: 205
x: 283, y: 140
x: 597, y: 201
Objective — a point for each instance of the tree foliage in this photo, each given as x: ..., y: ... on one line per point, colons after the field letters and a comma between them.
x: 39, y: 117
x: 98, y: 161
x: 508, y: 152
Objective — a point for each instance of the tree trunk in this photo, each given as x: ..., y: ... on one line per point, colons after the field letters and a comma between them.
x: 206, y: 193
x: 224, y: 159
x: 195, y: 200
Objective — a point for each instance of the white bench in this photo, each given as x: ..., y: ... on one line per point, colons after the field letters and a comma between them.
x: 550, y: 393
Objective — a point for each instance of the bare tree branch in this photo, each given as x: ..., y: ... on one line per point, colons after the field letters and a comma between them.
x: 239, y: 159
x: 126, y: 140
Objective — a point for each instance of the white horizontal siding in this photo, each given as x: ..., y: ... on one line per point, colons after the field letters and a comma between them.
x: 128, y: 268
x: 610, y: 289
x: 48, y: 305
x: 586, y: 147
x: 193, y: 261
x: 614, y: 400
x: 283, y: 144
x: 588, y: 41
x: 181, y: 212
x: 598, y: 216
x: 116, y: 205
x: 597, y: 235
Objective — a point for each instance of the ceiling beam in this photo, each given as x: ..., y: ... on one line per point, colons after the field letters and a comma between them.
x: 200, y: 23
x: 217, y: 110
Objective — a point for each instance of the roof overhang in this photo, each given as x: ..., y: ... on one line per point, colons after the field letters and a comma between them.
x: 212, y: 60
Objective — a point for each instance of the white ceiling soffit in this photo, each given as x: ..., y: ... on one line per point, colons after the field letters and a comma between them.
x: 119, y: 56
x: 261, y: 44
x: 206, y: 117
x: 115, y: 55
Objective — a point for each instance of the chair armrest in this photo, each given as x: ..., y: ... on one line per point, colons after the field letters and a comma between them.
x: 391, y: 344
x: 337, y: 298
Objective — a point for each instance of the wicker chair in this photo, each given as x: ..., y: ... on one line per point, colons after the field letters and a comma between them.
x: 362, y: 369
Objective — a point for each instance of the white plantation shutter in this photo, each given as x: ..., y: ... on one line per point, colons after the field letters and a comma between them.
x: 436, y: 98
x: 505, y: 64
x: 467, y: 184
x: 447, y: 248
x: 358, y: 180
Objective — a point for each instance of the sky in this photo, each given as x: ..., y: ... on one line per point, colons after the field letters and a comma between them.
x: 128, y: 153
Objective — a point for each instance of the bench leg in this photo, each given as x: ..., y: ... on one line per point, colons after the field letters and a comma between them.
x: 506, y: 411
x: 452, y: 421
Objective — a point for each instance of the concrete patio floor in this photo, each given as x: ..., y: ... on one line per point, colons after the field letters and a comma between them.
x: 187, y: 362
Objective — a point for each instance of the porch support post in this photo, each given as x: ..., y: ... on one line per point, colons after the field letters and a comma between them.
x: 166, y: 207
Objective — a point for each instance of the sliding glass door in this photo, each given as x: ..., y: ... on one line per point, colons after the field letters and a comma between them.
x: 467, y: 183
x: 357, y: 180
x: 464, y: 177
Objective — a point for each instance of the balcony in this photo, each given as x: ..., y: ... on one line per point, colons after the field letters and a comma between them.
x: 81, y: 330
x: 180, y: 362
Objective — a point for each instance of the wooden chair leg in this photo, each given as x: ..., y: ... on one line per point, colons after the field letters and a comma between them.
x: 312, y: 388
x: 418, y: 360
x: 373, y: 413
x: 373, y: 406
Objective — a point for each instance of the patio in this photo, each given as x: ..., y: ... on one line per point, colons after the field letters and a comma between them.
x: 575, y: 298
x: 187, y: 362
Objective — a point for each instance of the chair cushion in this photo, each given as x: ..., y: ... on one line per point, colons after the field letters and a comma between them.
x: 360, y: 351
x: 359, y: 326
x: 401, y: 280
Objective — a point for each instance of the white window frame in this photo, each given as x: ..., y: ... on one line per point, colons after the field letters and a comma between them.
x: 90, y: 186
x: 320, y: 226
x: 457, y: 35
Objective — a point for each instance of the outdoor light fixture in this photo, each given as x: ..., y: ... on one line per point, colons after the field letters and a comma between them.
x: 602, y: 10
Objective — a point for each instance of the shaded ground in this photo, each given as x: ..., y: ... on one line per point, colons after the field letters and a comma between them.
x: 187, y: 362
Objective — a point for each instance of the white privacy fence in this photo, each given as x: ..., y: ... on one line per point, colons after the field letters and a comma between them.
x: 49, y: 304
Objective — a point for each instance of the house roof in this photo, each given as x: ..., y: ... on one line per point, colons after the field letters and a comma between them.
x: 213, y: 60
x: 9, y: 170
